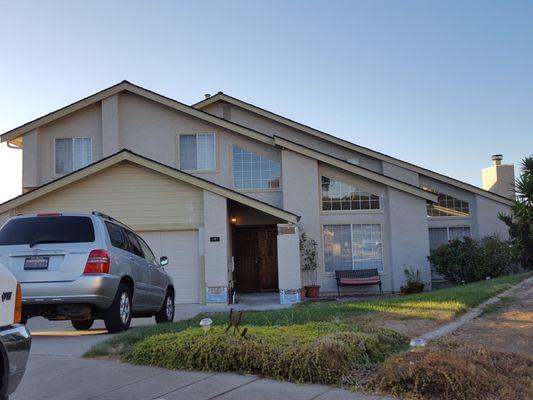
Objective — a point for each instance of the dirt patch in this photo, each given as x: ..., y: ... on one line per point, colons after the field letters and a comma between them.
x: 507, y: 327
x: 451, y: 372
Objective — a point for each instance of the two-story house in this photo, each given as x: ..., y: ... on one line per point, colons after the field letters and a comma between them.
x: 224, y: 188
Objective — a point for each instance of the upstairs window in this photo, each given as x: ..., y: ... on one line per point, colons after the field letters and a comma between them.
x: 340, y: 196
x: 72, y: 154
x: 197, y: 152
x: 448, y: 206
x: 251, y: 171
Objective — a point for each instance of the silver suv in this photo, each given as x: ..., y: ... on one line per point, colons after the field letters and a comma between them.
x: 85, y: 266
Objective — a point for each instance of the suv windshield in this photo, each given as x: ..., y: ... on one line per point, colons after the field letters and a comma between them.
x: 49, y: 229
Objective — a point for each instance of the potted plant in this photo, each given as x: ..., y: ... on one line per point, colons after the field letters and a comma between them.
x: 309, y: 266
x: 413, y: 282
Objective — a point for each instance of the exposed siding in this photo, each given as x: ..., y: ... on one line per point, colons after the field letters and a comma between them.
x: 135, y: 195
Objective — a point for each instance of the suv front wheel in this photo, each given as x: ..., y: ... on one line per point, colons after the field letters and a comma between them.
x: 117, y: 318
x: 166, y: 313
x: 83, y: 324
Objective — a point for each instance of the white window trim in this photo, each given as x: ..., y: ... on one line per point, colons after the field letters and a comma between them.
x: 332, y: 273
x: 215, y: 145
x: 267, y: 190
x: 54, y: 171
x: 379, y: 210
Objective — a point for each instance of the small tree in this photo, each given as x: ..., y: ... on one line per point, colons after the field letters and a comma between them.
x: 308, y: 258
x: 520, y: 221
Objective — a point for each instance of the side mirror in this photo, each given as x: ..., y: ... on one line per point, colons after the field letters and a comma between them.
x: 163, y: 261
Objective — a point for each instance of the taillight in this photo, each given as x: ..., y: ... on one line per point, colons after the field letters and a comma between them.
x: 18, y: 305
x: 97, y: 263
x: 49, y: 215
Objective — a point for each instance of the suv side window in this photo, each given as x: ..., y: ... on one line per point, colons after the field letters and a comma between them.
x: 148, y: 254
x: 134, y: 246
x: 116, y: 235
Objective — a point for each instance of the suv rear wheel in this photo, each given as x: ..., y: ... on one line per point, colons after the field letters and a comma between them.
x: 117, y: 318
x: 166, y: 313
x: 82, y: 324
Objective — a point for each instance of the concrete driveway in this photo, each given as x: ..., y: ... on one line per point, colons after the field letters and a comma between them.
x: 57, y: 371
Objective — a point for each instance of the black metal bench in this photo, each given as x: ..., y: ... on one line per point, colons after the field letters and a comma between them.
x: 358, y: 277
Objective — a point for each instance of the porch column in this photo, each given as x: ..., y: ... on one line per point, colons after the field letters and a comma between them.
x: 215, y: 248
x: 289, y: 274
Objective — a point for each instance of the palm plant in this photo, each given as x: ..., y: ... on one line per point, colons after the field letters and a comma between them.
x: 520, y: 221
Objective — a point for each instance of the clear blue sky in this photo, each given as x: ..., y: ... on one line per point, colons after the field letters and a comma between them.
x: 439, y: 84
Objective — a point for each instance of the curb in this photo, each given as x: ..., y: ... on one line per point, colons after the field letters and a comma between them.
x: 470, y: 315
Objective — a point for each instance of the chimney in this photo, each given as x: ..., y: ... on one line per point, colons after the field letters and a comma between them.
x: 207, y: 95
x: 499, y: 178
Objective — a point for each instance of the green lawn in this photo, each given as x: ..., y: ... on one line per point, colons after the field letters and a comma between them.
x: 444, y: 304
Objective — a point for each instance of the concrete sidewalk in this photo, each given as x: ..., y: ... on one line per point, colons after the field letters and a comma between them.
x: 57, y: 371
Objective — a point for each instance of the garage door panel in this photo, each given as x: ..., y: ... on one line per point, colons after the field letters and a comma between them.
x: 181, y: 248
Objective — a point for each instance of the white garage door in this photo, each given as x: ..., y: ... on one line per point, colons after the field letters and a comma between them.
x: 181, y: 248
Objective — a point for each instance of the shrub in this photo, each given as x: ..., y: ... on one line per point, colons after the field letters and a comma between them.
x: 318, y: 352
x: 471, y: 260
x: 457, y: 374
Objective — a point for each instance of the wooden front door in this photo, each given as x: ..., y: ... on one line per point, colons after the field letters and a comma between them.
x: 255, y: 252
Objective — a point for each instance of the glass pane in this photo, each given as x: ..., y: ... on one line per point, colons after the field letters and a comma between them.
x: 459, y: 232
x: 346, y: 197
x: 63, y: 152
x: 367, y: 246
x: 437, y: 237
x: 82, y: 155
x: 206, y: 152
x: 448, y: 206
x: 61, y: 229
x: 257, y: 172
x: 337, y: 247
x: 188, y: 152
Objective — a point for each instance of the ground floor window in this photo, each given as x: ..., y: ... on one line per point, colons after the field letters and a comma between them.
x: 353, y: 246
x: 441, y: 236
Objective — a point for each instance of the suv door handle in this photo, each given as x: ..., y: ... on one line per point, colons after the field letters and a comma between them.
x: 131, y: 258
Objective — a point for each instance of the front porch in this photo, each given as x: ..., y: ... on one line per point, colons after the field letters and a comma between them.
x: 251, y: 259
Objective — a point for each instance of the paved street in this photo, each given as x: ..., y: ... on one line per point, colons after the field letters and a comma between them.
x: 57, y: 371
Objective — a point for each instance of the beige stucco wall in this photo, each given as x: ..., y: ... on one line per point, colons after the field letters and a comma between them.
x: 83, y: 123
x: 139, y: 197
x: 152, y: 130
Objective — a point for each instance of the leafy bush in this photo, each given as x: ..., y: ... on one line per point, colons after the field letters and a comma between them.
x: 457, y: 374
x: 471, y: 260
x: 318, y: 352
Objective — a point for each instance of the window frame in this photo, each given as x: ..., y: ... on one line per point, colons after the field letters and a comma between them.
x: 383, y: 256
x: 448, y: 230
x: 252, y: 190
x: 449, y: 217
x: 54, y: 149
x: 196, y: 134
x: 379, y: 210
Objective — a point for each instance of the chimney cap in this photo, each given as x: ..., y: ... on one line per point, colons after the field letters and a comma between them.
x: 497, y: 157
x: 207, y: 95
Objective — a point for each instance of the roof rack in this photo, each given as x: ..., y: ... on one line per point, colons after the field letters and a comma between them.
x: 105, y: 216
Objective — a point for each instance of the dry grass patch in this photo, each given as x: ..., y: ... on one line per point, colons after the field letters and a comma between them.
x: 457, y: 373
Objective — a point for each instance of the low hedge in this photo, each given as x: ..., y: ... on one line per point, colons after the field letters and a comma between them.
x: 470, y: 260
x: 327, y: 353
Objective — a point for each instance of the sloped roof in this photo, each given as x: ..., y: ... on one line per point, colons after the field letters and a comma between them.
x: 356, y: 169
x: 220, y: 96
x: 15, y: 133
x: 128, y: 155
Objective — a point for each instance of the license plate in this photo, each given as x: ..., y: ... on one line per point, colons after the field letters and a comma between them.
x: 32, y: 263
